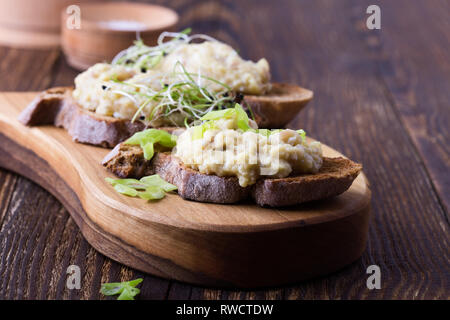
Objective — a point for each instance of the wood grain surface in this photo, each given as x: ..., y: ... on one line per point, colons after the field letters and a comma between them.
x: 381, y: 98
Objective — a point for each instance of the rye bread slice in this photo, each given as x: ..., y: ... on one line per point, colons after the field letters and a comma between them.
x: 56, y: 106
x: 194, y: 185
x: 335, y: 177
x: 279, y: 106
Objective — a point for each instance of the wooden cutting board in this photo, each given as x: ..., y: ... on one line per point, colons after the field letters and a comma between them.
x: 239, y: 245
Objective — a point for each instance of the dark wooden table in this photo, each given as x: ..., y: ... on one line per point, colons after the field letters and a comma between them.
x: 382, y: 97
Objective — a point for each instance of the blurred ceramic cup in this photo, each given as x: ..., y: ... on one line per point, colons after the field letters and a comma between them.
x: 32, y: 23
x: 105, y: 29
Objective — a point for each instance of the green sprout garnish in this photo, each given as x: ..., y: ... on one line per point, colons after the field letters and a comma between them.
x: 182, y: 94
x: 182, y: 91
x: 126, y: 290
x: 145, y: 57
x: 147, y: 140
x: 147, y: 188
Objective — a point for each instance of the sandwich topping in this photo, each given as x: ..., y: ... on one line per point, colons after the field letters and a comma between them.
x: 175, y: 82
x: 227, y: 143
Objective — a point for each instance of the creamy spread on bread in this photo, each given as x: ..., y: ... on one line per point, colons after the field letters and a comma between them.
x: 221, y: 62
x: 122, y: 90
x: 225, y: 150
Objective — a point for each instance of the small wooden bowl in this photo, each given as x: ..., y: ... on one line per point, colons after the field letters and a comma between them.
x: 32, y: 24
x: 108, y: 28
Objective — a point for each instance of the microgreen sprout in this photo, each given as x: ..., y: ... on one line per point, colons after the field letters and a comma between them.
x: 181, y: 92
x: 183, y: 95
x: 146, y: 57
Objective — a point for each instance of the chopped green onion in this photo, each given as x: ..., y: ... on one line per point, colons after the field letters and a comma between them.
x: 147, y: 188
x: 126, y: 190
x: 126, y: 290
x: 302, y: 134
x: 237, y: 113
x: 220, y: 114
x: 148, y: 150
x: 132, y: 183
x: 148, y: 138
x: 264, y: 132
x: 242, y: 118
x: 152, y: 193
x: 156, y: 180
x: 197, y: 132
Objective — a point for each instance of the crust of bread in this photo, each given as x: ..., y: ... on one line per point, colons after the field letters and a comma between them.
x: 194, y: 185
x: 56, y: 106
x: 335, y: 176
x: 279, y: 106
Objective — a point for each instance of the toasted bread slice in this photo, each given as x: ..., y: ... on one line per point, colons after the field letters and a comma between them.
x: 335, y: 177
x: 196, y: 186
x: 279, y: 106
x: 56, y: 106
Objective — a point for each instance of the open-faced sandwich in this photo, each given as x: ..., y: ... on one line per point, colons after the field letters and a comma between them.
x: 178, y: 116
x: 172, y: 84
x: 225, y: 158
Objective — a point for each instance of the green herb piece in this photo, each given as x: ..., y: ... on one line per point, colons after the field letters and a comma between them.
x: 152, y: 193
x: 132, y: 183
x: 156, y: 180
x: 148, y: 138
x: 148, y: 150
x: 140, y: 55
x: 143, y: 57
x: 126, y: 190
x: 126, y: 290
x: 181, y: 92
x: 197, y: 132
x: 302, y: 134
x: 186, y: 31
x: 147, y: 188
x: 200, y: 130
x: 264, y: 132
x: 237, y: 113
x: 220, y: 114
x: 242, y: 121
x: 242, y: 118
